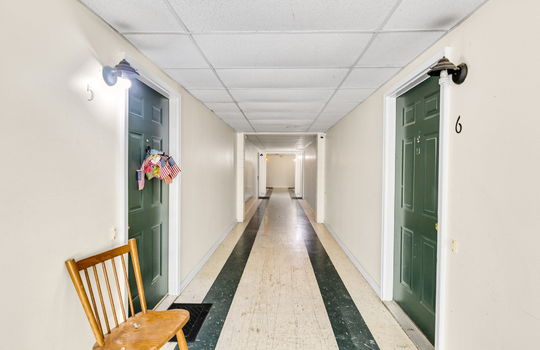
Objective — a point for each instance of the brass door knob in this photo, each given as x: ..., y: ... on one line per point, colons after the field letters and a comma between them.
x: 436, y: 226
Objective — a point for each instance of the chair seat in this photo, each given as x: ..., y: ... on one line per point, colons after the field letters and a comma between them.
x: 148, y: 331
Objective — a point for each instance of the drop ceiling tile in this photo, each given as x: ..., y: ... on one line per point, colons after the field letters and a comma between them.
x: 282, y: 126
x: 283, y: 50
x: 282, y: 78
x: 432, y: 14
x: 243, y: 128
x: 283, y: 123
x: 337, y: 107
x: 326, y: 121
x: 279, y: 15
x: 216, y: 95
x: 230, y: 115
x: 285, y: 128
x: 281, y: 115
x: 283, y: 142
x: 351, y: 95
x: 281, y: 95
x: 344, y: 101
x: 195, y: 78
x: 321, y: 127
x: 397, y: 49
x: 281, y: 106
x: 329, y: 118
x: 219, y: 107
x: 135, y: 16
x: 239, y: 125
x: 369, y: 77
x: 169, y: 50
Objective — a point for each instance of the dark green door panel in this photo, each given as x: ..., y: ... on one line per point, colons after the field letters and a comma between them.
x: 148, y: 209
x: 415, y: 248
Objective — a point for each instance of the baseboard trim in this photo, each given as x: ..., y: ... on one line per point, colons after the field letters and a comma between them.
x: 250, y: 205
x: 374, y: 285
x: 164, y: 303
x: 186, y: 281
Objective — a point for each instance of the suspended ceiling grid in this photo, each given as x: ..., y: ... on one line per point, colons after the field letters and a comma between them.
x: 282, y: 66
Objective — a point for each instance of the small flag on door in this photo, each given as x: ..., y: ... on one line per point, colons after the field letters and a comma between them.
x: 140, y: 179
x: 174, y: 169
x: 165, y: 170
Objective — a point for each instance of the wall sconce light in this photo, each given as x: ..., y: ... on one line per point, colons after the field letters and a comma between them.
x: 122, y: 70
x: 458, y: 73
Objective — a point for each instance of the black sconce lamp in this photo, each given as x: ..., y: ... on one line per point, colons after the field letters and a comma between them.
x: 458, y: 73
x: 121, y: 70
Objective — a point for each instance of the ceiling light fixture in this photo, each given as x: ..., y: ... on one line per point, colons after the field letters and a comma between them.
x: 458, y: 73
x: 122, y: 70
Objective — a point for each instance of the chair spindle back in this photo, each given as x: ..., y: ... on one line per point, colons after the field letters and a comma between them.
x: 88, y: 297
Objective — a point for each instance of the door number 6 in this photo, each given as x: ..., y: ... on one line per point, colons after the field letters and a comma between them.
x: 458, y: 127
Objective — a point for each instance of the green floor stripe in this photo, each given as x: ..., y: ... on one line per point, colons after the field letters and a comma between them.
x: 349, y: 327
x: 222, y: 292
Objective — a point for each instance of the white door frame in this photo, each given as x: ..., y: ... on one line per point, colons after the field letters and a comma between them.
x: 299, y: 175
x: 240, y: 159
x: 321, y: 177
x: 156, y: 83
x: 262, y: 174
x: 388, y: 195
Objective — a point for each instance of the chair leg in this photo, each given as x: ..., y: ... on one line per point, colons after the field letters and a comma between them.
x: 182, y: 344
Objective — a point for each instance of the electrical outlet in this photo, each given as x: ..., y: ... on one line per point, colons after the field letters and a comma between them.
x: 454, y: 246
x: 114, y: 233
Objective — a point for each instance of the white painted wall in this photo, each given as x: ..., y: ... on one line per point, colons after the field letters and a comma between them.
x: 251, y: 159
x: 310, y: 174
x: 208, y: 183
x: 49, y: 213
x: 280, y: 170
x: 494, y: 196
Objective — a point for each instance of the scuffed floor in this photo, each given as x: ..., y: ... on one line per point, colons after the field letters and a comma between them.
x: 298, y: 289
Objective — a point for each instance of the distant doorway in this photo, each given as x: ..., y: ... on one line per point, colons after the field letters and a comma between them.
x: 280, y: 170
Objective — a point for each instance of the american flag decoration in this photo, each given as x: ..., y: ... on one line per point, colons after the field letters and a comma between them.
x: 140, y: 179
x: 165, y: 171
x: 175, y: 170
x: 157, y: 164
x: 140, y: 175
x: 167, y: 180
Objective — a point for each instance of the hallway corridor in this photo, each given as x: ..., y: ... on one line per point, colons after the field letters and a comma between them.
x: 298, y: 289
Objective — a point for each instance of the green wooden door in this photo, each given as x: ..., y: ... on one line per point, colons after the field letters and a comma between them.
x: 415, y: 250
x: 149, y: 208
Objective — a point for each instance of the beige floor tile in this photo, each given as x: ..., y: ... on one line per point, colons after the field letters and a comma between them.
x: 278, y: 304
x: 385, y: 329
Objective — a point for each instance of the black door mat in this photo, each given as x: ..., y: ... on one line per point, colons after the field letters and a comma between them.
x: 197, y: 314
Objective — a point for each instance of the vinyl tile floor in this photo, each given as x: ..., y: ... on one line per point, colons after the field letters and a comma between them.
x: 280, y: 281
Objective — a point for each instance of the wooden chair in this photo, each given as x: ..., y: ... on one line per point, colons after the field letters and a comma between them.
x: 146, y: 330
